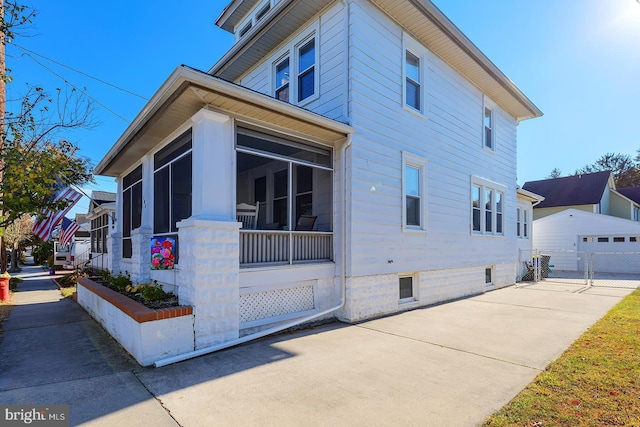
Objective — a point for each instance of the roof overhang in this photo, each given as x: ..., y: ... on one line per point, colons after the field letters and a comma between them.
x: 431, y: 27
x: 233, y: 13
x: 186, y: 92
x: 529, y: 196
x: 284, y: 19
x: 420, y: 17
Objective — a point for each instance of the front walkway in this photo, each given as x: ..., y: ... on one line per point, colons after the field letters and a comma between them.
x: 52, y: 352
x: 449, y: 365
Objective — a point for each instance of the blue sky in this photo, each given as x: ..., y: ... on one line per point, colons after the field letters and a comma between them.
x: 577, y: 60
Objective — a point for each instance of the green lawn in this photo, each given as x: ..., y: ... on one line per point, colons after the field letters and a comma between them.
x: 596, y: 381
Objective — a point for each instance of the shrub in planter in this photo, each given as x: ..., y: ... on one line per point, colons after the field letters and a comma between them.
x: 121, y: 281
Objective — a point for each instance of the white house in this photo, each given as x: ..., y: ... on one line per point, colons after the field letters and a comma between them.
x: 102, y: 221
x: 570, y: 235
x: 594, y: 192
x: 374, y: 143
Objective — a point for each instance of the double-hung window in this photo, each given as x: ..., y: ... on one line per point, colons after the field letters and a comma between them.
x: 487, y: 207
x: 522, y: 226
x: 172, y: 185
x: 295, y: 76
x: 488, y: 125
x: 131, y: 208
x: 414, y: 75
x: 413, y: 188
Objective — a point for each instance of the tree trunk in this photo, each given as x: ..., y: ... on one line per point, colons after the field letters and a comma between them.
x: 15, y: 257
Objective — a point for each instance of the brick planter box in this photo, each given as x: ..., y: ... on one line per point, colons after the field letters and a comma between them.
x: 147, y: 334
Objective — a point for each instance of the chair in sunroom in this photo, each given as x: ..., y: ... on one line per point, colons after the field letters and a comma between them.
x: 248, y: 215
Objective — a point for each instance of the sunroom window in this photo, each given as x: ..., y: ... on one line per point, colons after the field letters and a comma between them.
x: 289, y: 186
x: 131, y: 208
x: 172, y: 185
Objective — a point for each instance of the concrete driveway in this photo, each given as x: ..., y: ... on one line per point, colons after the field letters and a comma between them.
x: 449, y: 365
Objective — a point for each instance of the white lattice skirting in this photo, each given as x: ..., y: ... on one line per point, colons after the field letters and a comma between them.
x: 275, y: 305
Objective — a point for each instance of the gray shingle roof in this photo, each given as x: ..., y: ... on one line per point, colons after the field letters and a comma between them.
x: 632, y: 193
x: 585, y: 189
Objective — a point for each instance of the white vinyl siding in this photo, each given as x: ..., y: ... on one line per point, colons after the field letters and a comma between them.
x: 449, y: 139
x: 331, y: 75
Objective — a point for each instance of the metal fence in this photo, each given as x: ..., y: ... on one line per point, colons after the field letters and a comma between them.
x: 605, y: 269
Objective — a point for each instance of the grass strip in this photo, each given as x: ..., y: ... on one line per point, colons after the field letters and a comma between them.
x: 596, y: 381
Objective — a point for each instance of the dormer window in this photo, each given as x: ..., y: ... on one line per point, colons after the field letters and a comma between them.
x: 255, y: 16
x: 245, y: 29
x: 263, y: 11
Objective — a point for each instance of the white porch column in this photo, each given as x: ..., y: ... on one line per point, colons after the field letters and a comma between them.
x: 214, y: 166
x: 209, y: 278
x: 141, y: 254
x: 208, y: 262
x: 114, y: 255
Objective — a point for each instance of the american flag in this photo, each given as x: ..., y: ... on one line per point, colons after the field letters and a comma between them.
x: 44, y: 227
x: 67, y: 231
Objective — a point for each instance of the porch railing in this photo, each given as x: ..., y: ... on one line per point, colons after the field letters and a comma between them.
x: 259, y: 247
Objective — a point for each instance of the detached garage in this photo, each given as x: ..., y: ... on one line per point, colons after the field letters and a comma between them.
x: 572, y: 236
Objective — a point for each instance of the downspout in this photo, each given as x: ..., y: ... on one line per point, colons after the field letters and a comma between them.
x: 296, y: 322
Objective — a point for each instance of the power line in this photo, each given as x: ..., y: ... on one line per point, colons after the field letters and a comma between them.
x: 79, y: 72
x: 77, y: 88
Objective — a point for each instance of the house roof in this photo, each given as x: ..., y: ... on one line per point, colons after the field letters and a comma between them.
x: 632, y: 193
x: 186, y: 92
x: 420, y: 17
x: 528, y: 195
x: 576, y: 190
x: 100, y: 197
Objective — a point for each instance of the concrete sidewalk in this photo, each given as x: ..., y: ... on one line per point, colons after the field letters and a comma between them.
x: 52, y: 352
x: 449, y: 365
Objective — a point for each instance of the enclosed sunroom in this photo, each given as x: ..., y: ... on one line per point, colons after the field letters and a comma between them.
x: 245, y: 188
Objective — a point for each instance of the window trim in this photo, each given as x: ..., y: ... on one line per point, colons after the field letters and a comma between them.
x: 420, y: 163
x: 522, y: 221
x: 292, y: 51
x: 414, y: 288
x: 490, y: 269
x: 487, y: 103
x: 419, y: 51
x: 496, y: 188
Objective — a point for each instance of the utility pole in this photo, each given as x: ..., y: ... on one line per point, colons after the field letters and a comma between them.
x: 3, y: 103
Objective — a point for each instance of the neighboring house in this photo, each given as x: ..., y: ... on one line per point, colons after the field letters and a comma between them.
x: 101, y: 217
x: 569, y: 235
x: 524, y: 219
x: 594, y: 192
x: 369, y: 146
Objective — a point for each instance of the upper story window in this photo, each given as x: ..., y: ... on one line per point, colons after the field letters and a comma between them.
x: 413, y: 200
x: 254, y: 17
x: 414, y: 75
x: 488, y: 125
x: 487, y: 207
x: 295, y: 79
